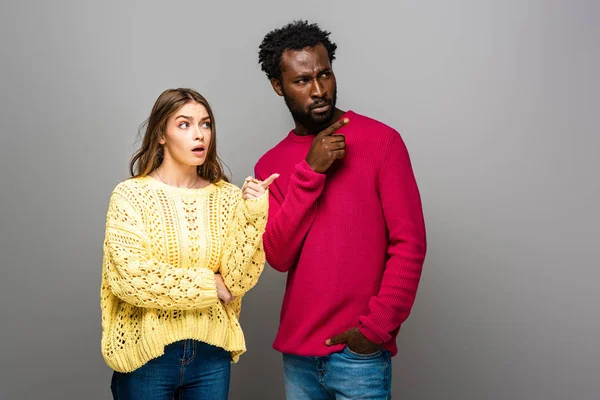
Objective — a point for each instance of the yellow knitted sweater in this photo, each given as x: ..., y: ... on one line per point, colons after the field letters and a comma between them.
x: 162, y: 248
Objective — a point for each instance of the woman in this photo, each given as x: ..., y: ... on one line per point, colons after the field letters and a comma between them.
x: 182, y: 247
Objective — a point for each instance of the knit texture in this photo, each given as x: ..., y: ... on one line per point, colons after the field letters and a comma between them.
x: 162, y: 249
x: 352, y: 240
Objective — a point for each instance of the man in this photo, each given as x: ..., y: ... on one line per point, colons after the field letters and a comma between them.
x: 345, y: 222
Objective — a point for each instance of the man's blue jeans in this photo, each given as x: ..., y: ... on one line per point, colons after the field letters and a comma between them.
x: 343, y: 375
x: 188, y: 370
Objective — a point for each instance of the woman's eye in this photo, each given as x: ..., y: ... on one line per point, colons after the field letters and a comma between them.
x: 184, y: 125
x: 206, y: 125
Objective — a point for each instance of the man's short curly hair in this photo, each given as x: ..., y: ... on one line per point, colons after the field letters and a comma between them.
x: 294, y: 36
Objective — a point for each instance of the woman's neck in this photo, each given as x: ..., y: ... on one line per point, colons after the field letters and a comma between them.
x: 177, y: 175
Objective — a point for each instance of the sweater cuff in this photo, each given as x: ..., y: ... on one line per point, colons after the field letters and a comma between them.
x: 204, y: 287
x: 308, y: 177
x: 258, y: 207
x: 372, y: 333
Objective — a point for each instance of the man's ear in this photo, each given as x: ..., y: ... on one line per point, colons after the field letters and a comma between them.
x: 276, y: 86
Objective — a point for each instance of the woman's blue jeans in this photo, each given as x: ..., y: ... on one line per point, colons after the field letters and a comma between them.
x: 188, y: 370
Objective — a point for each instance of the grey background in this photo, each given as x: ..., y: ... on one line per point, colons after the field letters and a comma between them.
x: 496, y: 100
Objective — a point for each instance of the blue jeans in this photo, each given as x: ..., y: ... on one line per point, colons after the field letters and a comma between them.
x: 342, y: 375
x: 188, y: 370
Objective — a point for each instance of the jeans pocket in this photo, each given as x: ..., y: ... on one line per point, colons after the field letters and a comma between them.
x: 361, y: 356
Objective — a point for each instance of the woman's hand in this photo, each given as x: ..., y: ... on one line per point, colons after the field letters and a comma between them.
x: 222, y: 292
x: 253, y: 188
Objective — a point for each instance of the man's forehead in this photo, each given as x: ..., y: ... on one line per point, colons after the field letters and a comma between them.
x: 308, y: 57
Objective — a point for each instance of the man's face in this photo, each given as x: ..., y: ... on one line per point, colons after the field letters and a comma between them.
x: 308, y: 86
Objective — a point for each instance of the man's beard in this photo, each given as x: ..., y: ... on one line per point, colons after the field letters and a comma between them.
x: 313, y: 123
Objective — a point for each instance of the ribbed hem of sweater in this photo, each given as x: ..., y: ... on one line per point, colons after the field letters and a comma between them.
x: 227, y: 335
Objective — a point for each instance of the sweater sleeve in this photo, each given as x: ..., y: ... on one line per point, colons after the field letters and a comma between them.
x: 401, y: 204
x: 135, y: 277
x: 290, y: 218
x: 243, y: 256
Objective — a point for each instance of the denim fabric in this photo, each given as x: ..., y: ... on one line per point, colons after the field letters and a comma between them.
x: 188, y: 370
x: 343, y: 375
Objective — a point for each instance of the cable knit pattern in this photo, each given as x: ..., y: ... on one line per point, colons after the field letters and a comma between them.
x: 162, y: 248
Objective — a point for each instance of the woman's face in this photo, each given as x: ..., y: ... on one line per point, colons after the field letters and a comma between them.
x: 187, y: 135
